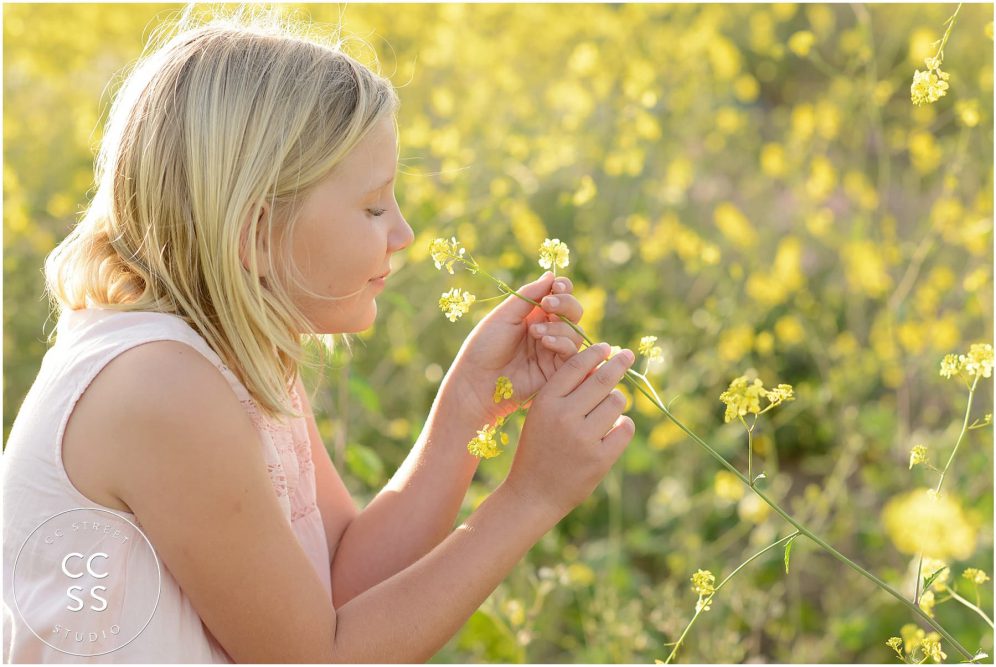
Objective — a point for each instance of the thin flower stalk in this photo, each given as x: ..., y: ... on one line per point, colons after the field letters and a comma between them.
x: 705, y: 603
x: 971, y: 606
x: 937, y: 489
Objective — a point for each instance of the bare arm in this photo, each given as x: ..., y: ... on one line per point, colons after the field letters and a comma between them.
x: 416, y: 509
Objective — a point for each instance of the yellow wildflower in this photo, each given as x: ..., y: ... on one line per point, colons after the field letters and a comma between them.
x: 918, y: 455
x: 649, y: 350
x: 484, y: 445
x: 703, y: 582
x: 456, y: 303
x: 950, y: 365
x: 930, y: 85
x: 742, y: 398
x: 975, y: 575
x: 780, y: 394
x: 979, y: 360
x: 896, y: 643
x: 554, y: 252
x: 977, y: 363
x: 446, y: 253
x: 503, y: 389
x: 931, y: 646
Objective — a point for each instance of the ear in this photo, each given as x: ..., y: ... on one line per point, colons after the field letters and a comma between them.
x: 256, y: 223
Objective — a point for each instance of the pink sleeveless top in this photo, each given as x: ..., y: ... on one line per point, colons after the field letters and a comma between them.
x: 38, y: 624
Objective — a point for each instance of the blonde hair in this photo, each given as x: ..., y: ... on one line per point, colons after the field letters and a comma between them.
x: 221, y: 117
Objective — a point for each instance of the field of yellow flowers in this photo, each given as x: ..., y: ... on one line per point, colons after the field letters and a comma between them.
x: 797, y: 193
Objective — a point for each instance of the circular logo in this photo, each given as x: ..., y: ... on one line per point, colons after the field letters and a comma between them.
x: 86, y: 581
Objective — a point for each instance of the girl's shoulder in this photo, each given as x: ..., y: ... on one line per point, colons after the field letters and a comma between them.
x: 158, y: 392
x: 140, y: 375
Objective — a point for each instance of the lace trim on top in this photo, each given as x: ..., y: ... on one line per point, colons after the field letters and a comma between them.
x: 287, y: 448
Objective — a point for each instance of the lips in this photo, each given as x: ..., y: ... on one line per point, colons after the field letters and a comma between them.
x: 383, y: 275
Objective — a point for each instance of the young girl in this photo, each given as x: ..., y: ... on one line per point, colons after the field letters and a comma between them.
x: 167, y: 497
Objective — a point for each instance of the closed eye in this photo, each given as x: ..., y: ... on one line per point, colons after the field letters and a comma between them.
x: 376, y: 212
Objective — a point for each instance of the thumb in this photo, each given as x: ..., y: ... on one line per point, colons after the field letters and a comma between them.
x: 514, y: 310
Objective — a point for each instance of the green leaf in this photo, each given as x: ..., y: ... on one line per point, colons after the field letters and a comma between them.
x: 788, y: 552
x: 929, y: 580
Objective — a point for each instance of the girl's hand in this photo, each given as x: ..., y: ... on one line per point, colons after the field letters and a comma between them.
x: 509, y: 342
x: 574, y: 432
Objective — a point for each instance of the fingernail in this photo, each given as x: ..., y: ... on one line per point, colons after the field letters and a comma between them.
x: 540, y: 328
x: 627, y: 356
x: 605, y: 347
x: 551, y: 302
x: 559, y: 286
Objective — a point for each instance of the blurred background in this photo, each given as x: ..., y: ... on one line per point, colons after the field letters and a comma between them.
x: 749, y: 183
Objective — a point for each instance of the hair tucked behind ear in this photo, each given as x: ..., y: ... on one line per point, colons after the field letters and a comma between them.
x: 217, y: 118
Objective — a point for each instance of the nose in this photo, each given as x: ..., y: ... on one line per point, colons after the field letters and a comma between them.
x: 402, y: 235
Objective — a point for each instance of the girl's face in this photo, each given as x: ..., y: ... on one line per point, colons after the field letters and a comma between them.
x: 349, y: 227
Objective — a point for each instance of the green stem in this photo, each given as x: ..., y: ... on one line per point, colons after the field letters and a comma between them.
x: 705, y: 602
x: 971, y: 606
x: 947, y: 33
x: 630, y: 374
x: 937, y: 489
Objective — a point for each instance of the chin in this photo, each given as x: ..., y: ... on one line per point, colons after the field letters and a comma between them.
x: 352, y: 323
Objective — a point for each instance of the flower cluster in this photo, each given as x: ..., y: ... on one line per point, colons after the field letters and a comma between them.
x: 503, y: 389
x: 485, y: 445
x: 554, y: 252
x: 975, y: 575
x: 930, y: 85
x: 978, y: 362
x: 913, y: 638
x: 931, y: 647
x: 918, y: 455
x: 896, y: 644
x: 446, y: 253
x: 703, y: 583
x: 743, y: 397
x: 649, y: 350
x: 456, y: 303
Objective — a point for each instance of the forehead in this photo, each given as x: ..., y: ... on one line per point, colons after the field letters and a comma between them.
x: 373, y: 160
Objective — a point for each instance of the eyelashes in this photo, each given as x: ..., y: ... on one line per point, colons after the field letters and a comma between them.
x: 376, y: 212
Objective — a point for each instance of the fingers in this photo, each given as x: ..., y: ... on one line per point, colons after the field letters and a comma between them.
x: 557, y: 329
x: 564, y: 347
x: 593, y: 390
x: 601, y: 419
x: 562, y: 304
x: 575, y: 369
x: 563, y: 285
x: 515, y: 310
x: 618, y: 437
